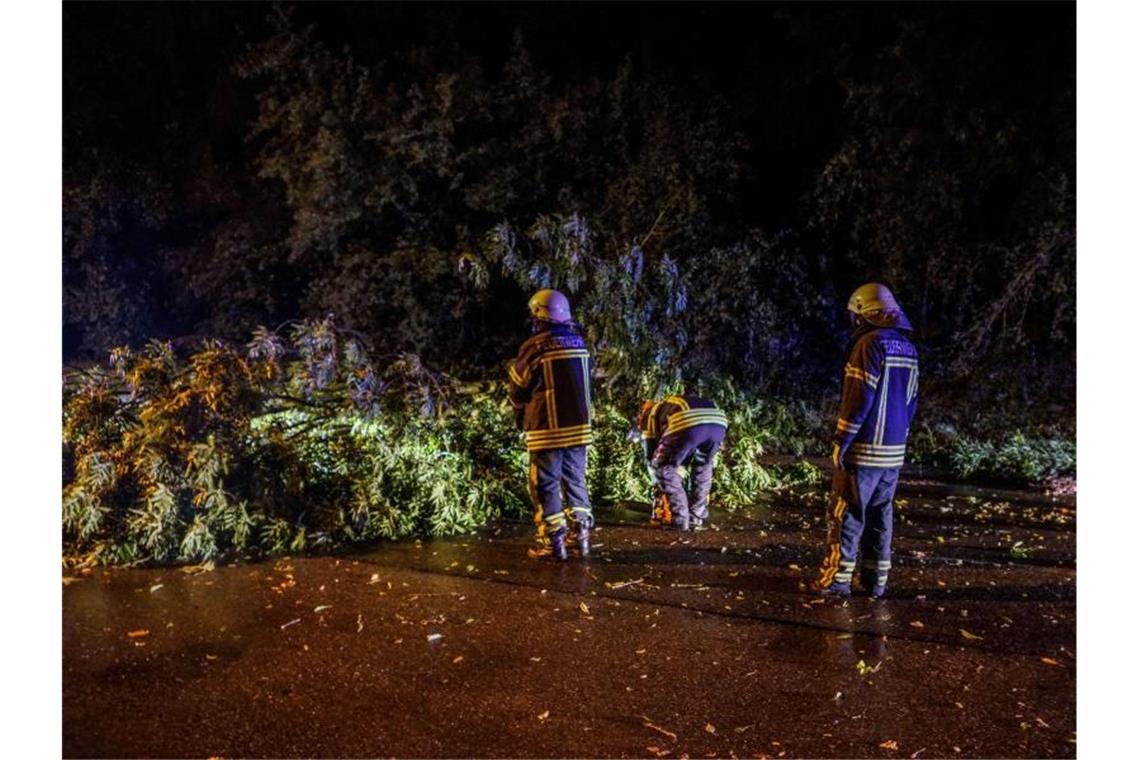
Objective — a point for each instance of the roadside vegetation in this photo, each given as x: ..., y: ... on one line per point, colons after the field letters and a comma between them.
x: 302, y: 441
x: 421, y: 196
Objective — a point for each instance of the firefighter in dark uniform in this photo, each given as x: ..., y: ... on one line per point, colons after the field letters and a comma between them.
x: 880, y: 396
x: 550, y: 393
x: 678, y: 431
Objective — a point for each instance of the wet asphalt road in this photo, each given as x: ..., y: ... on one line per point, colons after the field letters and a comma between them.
x: 662, y: 645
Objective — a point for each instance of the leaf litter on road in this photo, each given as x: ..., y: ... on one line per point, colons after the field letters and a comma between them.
x: 648, y: 723
x: 205, y: 567
x: 623, y: 584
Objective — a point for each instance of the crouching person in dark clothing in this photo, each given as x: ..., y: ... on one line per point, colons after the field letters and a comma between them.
x: 681, y: 431
x: 550, y: 393
x: 880, y: 396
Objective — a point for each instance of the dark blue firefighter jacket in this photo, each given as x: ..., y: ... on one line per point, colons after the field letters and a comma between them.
x: 550, y: 389
x: 880, y: 396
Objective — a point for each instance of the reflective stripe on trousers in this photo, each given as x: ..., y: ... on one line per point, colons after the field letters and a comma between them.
x: 860, y: 520
x: 553, y: 472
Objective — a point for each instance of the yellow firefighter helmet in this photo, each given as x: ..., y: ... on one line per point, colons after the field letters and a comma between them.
x: 875, y: 303
x: 550, y: 306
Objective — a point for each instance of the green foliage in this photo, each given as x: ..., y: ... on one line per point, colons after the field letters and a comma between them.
x: 1016, y: 457
x: 288, y: 444
x: 759, y: 427
x: 301, y: 443
x: 616, y: 469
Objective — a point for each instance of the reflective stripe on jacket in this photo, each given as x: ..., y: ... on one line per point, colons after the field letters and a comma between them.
x: 550, y: 389
x: 674, y: 414
x: 880, y: 396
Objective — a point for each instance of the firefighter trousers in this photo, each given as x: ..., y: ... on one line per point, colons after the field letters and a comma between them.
x: 554, y: 472
x: 859, y: 522
x: 696, y: 447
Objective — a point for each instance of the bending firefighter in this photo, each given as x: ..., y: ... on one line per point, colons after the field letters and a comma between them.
x: 681, y: 431
x: 550, y: 393
x: 880, y: 395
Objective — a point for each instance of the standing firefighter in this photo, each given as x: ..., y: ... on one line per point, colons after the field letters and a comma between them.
x: 681, y: 431
x: 880, y: 395
x: 550, y: 393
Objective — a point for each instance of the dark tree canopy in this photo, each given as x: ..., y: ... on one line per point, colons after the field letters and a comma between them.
x: 707, y: 181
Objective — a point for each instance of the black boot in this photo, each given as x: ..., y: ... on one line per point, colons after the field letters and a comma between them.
x: 554, y: 546
x: 558, y: 544
x: 584, y: 539
x: 870, y: 583
x: 839, y: 590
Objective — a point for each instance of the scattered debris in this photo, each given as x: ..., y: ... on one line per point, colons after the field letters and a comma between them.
x: 291, y: 622
x: 205, y: 567
x: 650, y: 724
x: 623, y: 584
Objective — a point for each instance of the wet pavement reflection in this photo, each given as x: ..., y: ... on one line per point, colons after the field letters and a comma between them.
x: 661, y: 645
